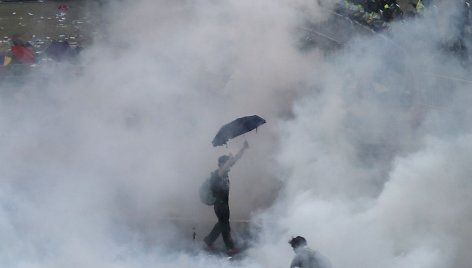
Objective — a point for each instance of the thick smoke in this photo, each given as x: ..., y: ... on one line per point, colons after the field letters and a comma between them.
x: 364, y: 153
x: 376, y: 156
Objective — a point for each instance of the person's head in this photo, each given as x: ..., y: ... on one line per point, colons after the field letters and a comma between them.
x: 298, y: 241
x: 16, y: 40
x: 222, y: 160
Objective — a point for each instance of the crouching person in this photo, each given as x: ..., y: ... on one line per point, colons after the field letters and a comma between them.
x: 305, y: 257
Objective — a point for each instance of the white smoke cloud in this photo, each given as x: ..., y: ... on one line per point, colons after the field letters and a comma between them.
x: 370, y: 143
x: 375, y: 155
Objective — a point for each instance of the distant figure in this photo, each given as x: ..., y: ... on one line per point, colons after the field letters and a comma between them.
x: 372, y: 6
x: 306, y: 257
x: 60, y: 50
x: 391, y: 10
x: 63, y: 7
x: 220, y: 189
x: 20, y: 51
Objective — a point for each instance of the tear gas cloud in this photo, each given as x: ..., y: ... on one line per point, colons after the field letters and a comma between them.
x: 364, y: 153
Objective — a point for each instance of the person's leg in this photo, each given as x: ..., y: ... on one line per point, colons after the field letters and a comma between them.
x: 215, y: 232
x: 222, y: 212
x: 213, y: 235
x: 226, y: 233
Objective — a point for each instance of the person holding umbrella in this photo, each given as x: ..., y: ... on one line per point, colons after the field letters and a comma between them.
x: 220, y: 189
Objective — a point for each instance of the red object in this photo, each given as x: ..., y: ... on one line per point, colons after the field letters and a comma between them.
x: 22, y: 54
x: 63, y: 7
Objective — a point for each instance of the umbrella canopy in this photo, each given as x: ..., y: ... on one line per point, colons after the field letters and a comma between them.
x: 237, y: 127
x: 22, y: 54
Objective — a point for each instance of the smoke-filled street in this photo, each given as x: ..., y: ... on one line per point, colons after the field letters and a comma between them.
x: 109, y: 114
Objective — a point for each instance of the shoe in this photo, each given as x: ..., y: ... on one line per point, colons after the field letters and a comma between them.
x: 208, y: 246
x: 233, y: 251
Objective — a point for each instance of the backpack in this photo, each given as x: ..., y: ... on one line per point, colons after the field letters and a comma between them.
x: 206, y: 194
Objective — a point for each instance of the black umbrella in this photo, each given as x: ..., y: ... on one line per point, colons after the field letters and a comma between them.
x: 237, y: 127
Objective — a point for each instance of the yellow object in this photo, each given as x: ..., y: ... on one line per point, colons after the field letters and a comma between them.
x: 419, y: 7
x: 6, y: 60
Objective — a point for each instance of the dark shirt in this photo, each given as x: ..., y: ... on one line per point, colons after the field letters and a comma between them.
x: 307, y: 258
x: 220, y: 187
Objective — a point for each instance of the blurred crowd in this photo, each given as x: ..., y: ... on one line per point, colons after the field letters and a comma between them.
x: 21, y: 52
x: 377, y: 14
x: 37, y: 33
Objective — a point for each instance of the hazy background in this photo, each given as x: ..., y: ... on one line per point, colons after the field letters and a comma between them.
x: 365, y: 151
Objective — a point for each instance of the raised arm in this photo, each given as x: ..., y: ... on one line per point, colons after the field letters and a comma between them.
x: 232, y: 160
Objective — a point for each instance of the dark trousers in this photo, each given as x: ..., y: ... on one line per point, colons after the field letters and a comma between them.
x: 222, y: 226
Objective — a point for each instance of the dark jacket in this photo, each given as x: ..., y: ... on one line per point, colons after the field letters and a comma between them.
x: 307, y: 258
x: 220, y: 187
